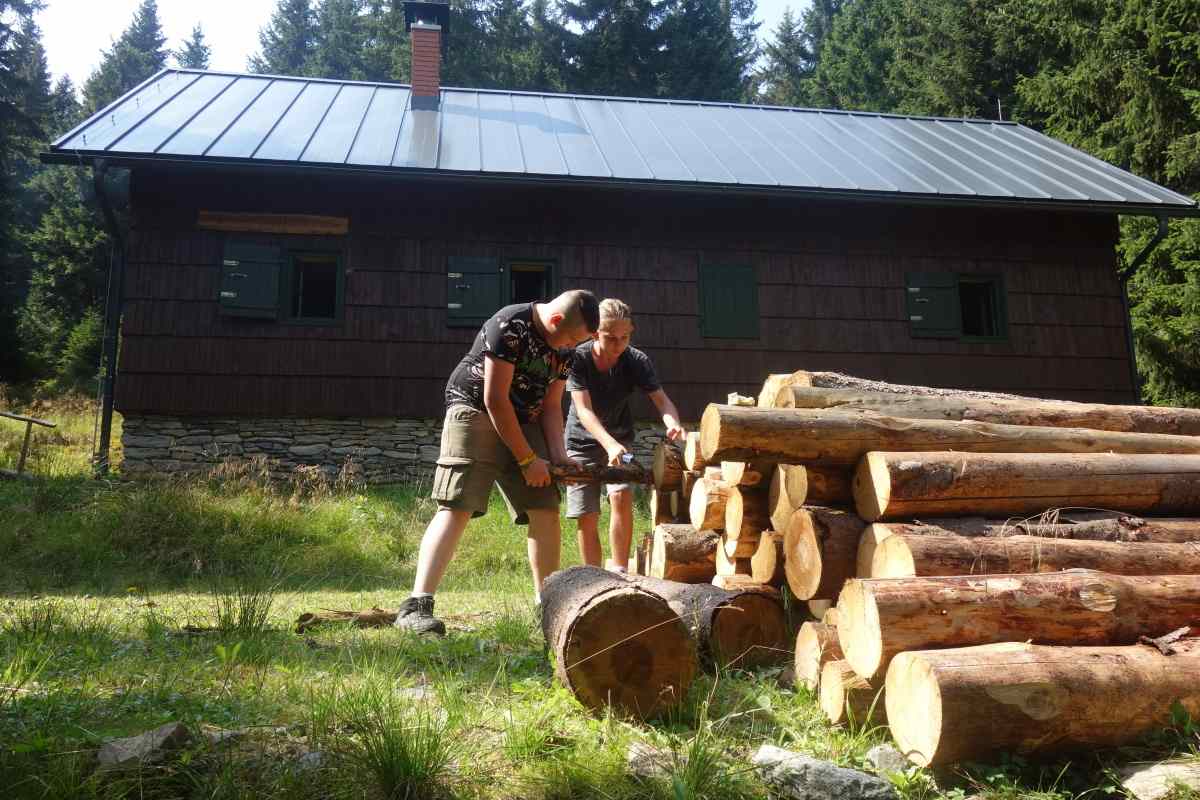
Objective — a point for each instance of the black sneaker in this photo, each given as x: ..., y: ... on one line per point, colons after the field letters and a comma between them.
x: 416, y: 615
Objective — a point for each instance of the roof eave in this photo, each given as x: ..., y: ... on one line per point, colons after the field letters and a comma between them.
x: 84, y: 158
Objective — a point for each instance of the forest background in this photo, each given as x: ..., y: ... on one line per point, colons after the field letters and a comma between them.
x: 1117, y: 79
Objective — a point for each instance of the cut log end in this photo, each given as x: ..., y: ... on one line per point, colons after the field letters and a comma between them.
x: 848, y: 698
x: 872, y: 487
x: 874, y: 534
x: 802, y: 563
x: 858, y: 629
x: 750, y: 631
x: 816, y: 644
x: 892, y: 559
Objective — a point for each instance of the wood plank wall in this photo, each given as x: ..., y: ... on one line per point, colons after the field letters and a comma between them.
x: 831, y: 292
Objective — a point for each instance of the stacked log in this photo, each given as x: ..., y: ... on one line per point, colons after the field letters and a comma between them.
x: 816, y: 644
x: 706, y: 506
x: 693, y: 461
x: 849, y: 698
x: 820, y: 549
x: 746, y: 517
x: 682, y: 553
x: 767, y: 562
x: 667, y: 468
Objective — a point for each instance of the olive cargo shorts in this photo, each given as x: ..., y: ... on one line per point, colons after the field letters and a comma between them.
x: 473, y: 457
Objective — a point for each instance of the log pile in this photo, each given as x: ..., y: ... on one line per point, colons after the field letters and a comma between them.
x: 995, y: 572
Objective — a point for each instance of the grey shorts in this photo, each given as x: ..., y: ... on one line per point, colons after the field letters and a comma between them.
x: 584, y: 498
x: 473, y: 457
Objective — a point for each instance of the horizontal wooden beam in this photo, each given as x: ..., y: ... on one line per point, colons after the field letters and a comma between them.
x: 304, y: 224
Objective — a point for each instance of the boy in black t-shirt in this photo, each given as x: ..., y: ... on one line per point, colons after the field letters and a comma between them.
x: 603, y: 377
x: 503, y: 421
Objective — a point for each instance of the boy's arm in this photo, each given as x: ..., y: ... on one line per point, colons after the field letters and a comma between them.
x: 497, y: 379
x: 582, y: 399
x: 670, y: 414
x: 552, y: 423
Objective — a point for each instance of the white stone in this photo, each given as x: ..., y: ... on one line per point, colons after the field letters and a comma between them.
x: 1157, y: 781
x: 884, y: 758
x: 802, y: 778
x: 144, y: 748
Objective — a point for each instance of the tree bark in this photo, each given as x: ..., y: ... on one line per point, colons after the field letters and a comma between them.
x: 626, y: 473
x: 692, y: 459
x: 615, y: 643
x: 766, y: 565
x: 747, y: 473
x: 816, y: 644
x: 662, y: 507
x: 682, y: 553
x: 848, y: 698
x: 956, y: 705
x: 739, y: 627
x: 667, y: 469
x: 880, y: 618
x: 706, y: 508
x: 746, y: 517
x: 799, y: 436
x: 687, y: 483
x: 742, y: 582
x: 1022, y: 411
x: 898, y: 485
x: 775, y: 382
x: 820, y: 546
x: 903, y: 556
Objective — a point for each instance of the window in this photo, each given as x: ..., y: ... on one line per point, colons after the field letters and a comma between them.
x: 314, y: 288
x: 269, y: 281
x: 477, y: 287
x: 946, y: 305
x: 728, y: 301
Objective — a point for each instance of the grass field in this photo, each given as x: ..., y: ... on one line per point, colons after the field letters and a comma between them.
x: 100, y: 578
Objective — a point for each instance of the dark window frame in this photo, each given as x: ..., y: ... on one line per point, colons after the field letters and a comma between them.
x: 550, y: 266
x: 504, y: 272
x: 286, y: 299
x: 950, y: 285
x: 289, y: 247
x: 999, y: 305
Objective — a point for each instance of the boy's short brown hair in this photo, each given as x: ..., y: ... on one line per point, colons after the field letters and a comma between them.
x: 580, y: 309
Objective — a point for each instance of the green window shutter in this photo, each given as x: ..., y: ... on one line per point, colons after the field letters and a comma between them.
x: 250, y: 280
x: 728, y: 301
x: 932, y: 304
x: 474, y: 289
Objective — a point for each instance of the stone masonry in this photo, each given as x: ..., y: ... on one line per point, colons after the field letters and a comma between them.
x: 373, y: 450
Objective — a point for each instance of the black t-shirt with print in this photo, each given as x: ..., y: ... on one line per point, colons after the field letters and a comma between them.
x: 511, y: 336
x: 610, y: 392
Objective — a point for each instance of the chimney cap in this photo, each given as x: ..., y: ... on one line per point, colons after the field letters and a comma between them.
x: 435, y: 12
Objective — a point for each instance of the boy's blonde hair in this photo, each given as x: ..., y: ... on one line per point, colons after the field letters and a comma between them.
x: 612, y: 309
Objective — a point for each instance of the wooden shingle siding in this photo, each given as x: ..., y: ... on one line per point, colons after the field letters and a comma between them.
x: 831, y: 292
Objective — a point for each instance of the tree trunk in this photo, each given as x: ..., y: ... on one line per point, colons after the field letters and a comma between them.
x: 794, y: 485
x: 799, y: 436
x: 880, y: 618
x: 732, y: 565
x: 667, y: 469
x: 687, y: 482
x: 746, y: 517
x: 626, y: 473
x: 743, y: 582
x: 956, y: 705
x: 682, y: 553
x: 773, y: 383
x: 849, y: 698
x: 616, y: 644
x: 766, y: 565
x: 747, y: 473
x: 903, y: 556
x: 898, y: 485
x: 660, y: 507
x: 706, y: 508
x: 820, y: 546
x: 1023, y: 411
x: 818, y: 606
x: 1065, y: 525
x: 692, y: 459
x: 816, y: 644
x: 739, y: 627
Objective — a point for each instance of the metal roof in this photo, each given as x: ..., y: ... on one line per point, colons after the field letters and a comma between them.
x: 229, y: 118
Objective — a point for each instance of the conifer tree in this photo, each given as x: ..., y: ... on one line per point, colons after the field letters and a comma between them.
x: 138, y: 54
x: 616, y: 49
x: 788, y: 65
x: 288, y: 40
x: 195, y: 53
x: 701, y: 58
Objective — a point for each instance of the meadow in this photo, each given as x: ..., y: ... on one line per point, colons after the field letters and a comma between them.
x: 125, y: 605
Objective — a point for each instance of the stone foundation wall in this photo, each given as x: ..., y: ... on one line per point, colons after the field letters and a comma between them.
x: 372, y: 450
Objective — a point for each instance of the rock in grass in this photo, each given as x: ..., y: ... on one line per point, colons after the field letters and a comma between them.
x: 1157, y: 781
x: 802, y: 778
x: 884, y: 758
x: 145, y: 748
x: 647, y: 761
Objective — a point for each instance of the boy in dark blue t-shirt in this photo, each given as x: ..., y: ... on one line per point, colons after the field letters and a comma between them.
x: 599, y: 430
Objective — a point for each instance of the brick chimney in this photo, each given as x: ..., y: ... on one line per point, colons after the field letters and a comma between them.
x: 428, y: 24
x: 426, y: 66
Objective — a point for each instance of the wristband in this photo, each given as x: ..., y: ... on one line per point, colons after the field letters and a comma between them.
x: 529, y: 459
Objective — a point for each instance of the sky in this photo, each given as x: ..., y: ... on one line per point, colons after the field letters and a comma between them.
x: 75, y: 32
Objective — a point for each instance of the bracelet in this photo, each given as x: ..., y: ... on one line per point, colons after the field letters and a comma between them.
x: 529, y: 459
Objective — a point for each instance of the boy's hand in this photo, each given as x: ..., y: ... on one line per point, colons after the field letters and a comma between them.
x: 614, y: 454
x: 537, y: 473
x: 676, y: 433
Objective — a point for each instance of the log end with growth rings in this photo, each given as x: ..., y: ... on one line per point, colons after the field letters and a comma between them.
x: 892, y: 559
x: 802, y: 556
x: 858, y: 628
x: 872, y: 487
x: 750, y: 631
x: 914, y: 708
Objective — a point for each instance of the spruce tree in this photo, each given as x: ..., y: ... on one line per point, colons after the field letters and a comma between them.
x: 339, y: 42
x: 288, y: 40
x: 701, y: 59
x: 138, y: 54
x: 616, y: 47
x: 548, y: 45
x: 788, y: 64
x: 195, y: 53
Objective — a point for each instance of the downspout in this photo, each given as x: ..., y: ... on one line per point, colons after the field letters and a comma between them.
x: 1124, y: 276
x: 112, y: 315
